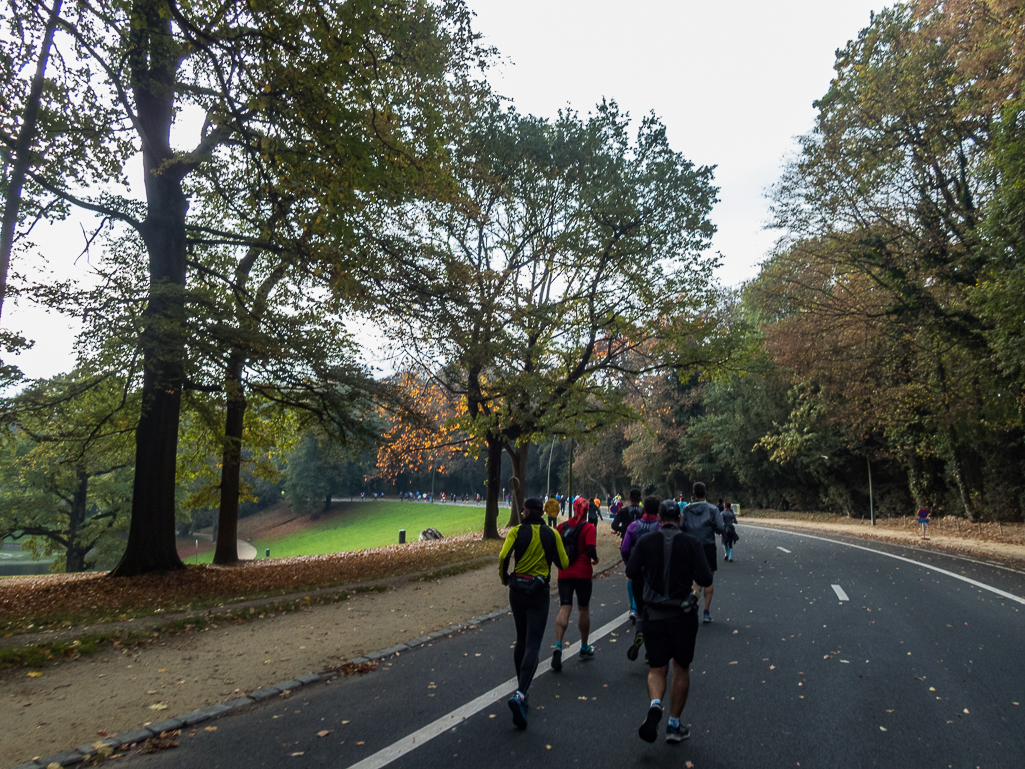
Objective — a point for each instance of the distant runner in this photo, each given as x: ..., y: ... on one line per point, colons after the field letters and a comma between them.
x: 729, y: 535
x: 703, y: 521
x: 579, y: 539
x: 534, y: 547
x: 552, y: 511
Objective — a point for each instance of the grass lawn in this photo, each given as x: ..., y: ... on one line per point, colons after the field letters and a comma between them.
x: 362, y: 525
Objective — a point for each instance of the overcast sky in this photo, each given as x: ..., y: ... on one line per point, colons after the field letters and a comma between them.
x: 733, y: 82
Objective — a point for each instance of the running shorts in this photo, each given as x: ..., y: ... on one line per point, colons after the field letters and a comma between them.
x: 581, y: 586
x: 711, y: 555
x: 666, y: 639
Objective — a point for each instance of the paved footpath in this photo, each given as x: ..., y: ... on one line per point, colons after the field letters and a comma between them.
x: 825, y: 651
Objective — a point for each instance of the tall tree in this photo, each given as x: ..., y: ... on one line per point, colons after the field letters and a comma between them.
x: 570, y: 257
x: 348, y: 88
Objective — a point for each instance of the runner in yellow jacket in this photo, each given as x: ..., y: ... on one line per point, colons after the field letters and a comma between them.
x: 533, y: 547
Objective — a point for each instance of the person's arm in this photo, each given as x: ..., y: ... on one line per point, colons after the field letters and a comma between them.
x: 506, y: 554
x: 628, y: 539
x: 591, y: 543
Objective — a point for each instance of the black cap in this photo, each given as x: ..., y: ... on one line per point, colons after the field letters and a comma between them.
x: 534, y: 506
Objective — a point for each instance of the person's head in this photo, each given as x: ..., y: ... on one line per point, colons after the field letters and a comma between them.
x: 580, y: 506
x: 635, y: 495
x: 533, y: 506
x: 669, y: 512
x: 720, y: 500
x: 699, y: 490
x: 651, y: 504
x: 729, y: 506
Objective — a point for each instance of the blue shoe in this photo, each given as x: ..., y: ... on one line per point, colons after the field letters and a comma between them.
x: 519, y: 711
x: 586, y: 652
x: 677, y: 733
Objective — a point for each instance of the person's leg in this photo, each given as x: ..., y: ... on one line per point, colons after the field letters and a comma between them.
x: 536, y: 619
x: 708, y: 592
x: 583, y: 623
x: 633, y: 601
x: 679, y: 689
x: 518, y: 606
x: 657, y: 682
x: 562, y: 623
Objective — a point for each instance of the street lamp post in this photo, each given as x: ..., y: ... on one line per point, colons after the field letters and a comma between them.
x: 550, y: 467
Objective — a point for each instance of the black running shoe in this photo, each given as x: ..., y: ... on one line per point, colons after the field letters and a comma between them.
x: 677, y: 733
x: 557, y: 659
x: 519, y: 712
x: 634, y: 649
x: 649, y: 729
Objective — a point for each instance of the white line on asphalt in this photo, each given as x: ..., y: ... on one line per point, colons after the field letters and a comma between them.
x: 929, y: 566
x: 409, y: 743
x: 782, y: 548
x: 840, y: 593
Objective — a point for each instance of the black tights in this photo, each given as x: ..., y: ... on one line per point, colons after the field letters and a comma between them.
x: 531, y: 616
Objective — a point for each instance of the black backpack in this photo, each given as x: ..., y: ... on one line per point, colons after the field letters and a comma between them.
x: 571, y: 541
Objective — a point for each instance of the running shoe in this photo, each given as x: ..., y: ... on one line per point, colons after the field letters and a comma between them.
x: 707, y: 618
x: 677, y: 733
x: 633, y: 617
x: 557, y: 659
x: 649, y: 729
x: 587, y: 652
x: 519, y: 711
x: 634, y: 649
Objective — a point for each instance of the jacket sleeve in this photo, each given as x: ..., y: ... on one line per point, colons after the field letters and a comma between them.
x: 628, y: 538
x: 506, y: 554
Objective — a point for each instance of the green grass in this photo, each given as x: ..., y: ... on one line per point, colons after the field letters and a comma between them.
x: 363, y: 525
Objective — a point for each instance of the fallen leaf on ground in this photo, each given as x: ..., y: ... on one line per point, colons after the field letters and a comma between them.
x: 324, y: 732
x: 209, y: 728
x: 35, y: 674
x: 158, y: 706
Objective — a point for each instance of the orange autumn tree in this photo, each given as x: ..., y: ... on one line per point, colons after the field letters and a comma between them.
x: 425, y: 434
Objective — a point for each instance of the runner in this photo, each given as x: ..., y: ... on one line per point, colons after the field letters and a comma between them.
x: 580, y: 543
x: 620, y: 523
x: 703, y: 521
x: 552, y: 511
x: 663, y: 567
x: 644, y: 525
x: 534, y: 547
x: 729, y: 535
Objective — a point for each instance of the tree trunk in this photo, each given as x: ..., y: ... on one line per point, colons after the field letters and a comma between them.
x: 231, y: 463
x: 517, y: 496
x: 491, y: 491
x: 16, y: 181
x: 154, y: 62
x: 74, y: 557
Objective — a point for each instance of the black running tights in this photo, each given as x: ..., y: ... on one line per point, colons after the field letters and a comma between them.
x: 531, y: 616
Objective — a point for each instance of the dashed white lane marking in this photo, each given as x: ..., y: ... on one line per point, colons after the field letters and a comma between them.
x: 782, y: 548
x: 929, y: 566
x: 409, y: 743
x: 840, y: 593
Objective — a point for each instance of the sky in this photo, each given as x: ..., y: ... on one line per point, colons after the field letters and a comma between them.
x: 734, y: 83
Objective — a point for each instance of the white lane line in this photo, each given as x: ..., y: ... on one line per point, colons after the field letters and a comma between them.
x: 782, y: 548
x: 840, y: 593
x: 409, y: 743
x: 929, y: 566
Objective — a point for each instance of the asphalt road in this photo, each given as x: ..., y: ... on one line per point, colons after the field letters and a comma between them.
x: 917, y: 668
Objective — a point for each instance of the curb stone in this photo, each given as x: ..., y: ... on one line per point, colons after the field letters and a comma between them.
x: 83, y: 752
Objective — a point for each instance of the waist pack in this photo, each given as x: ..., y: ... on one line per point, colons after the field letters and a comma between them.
x: 657, y: 605
x: 526, y: 584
